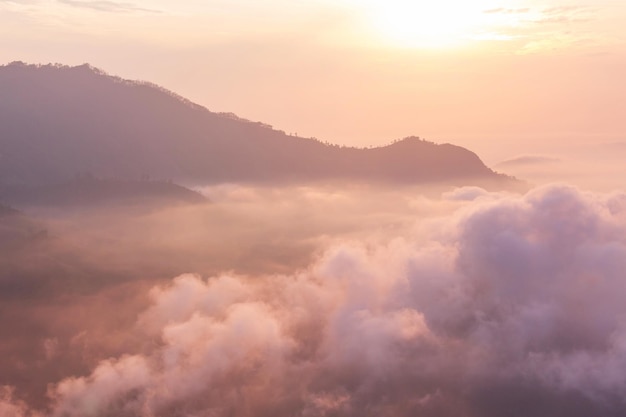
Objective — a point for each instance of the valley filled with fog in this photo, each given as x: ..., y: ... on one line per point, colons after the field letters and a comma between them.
x: 316, y: 300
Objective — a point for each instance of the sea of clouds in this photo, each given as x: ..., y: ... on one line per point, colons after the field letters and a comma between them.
x: 485, y: 304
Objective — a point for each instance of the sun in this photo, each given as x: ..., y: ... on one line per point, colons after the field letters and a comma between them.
x: 428, y: 23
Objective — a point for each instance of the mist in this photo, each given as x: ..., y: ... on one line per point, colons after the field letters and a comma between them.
x: 591, y: 166
x: 404, y: 301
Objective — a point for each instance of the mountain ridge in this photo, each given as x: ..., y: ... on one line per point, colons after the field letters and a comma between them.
x: 57, y: 121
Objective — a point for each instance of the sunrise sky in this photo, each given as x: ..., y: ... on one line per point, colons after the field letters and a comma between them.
x: 500, y: 77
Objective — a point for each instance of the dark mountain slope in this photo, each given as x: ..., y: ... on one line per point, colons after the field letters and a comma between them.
x: 57, y: 121
x: 87, y: 191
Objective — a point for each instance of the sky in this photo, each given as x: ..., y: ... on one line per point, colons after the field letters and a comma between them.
x: 504, y: 78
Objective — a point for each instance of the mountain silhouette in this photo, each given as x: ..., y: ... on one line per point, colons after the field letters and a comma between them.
x: 86, y: 190
x: 57, y: 121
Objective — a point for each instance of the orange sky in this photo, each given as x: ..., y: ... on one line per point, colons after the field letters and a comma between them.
x: 501, y: 77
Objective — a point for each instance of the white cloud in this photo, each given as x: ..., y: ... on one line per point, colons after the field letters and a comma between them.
x: 522, y: 299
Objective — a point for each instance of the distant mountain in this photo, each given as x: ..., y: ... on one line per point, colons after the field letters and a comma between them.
x: 17, y: 230
x: 86, y: 190
x: 57, y: 121
x: 7, y: 211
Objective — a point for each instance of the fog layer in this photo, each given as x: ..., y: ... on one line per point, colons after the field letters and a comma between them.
x: 480, y: 305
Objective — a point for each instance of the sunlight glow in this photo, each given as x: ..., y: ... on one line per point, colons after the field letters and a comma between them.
x: 432, y: 24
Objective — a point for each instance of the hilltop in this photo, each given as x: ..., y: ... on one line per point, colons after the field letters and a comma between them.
x: 57, y: 121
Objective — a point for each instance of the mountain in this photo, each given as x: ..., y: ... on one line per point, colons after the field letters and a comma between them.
x: 57, y: 121
x: 86, y: 190
x: 17, y: 230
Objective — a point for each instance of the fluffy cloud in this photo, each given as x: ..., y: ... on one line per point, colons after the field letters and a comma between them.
x: 10, y: 407
x: 512, y: 307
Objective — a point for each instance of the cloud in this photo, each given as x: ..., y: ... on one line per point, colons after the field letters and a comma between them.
x: 502, y: 10
x: 528, y: 160
x: 106, y: 6
x: 512, y: 303
x: 547, y: 15
x: 540, y: 29
x: 10, y: 407
x: 565, y: 14
x: 20, y: 1
x: 466, y: 194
